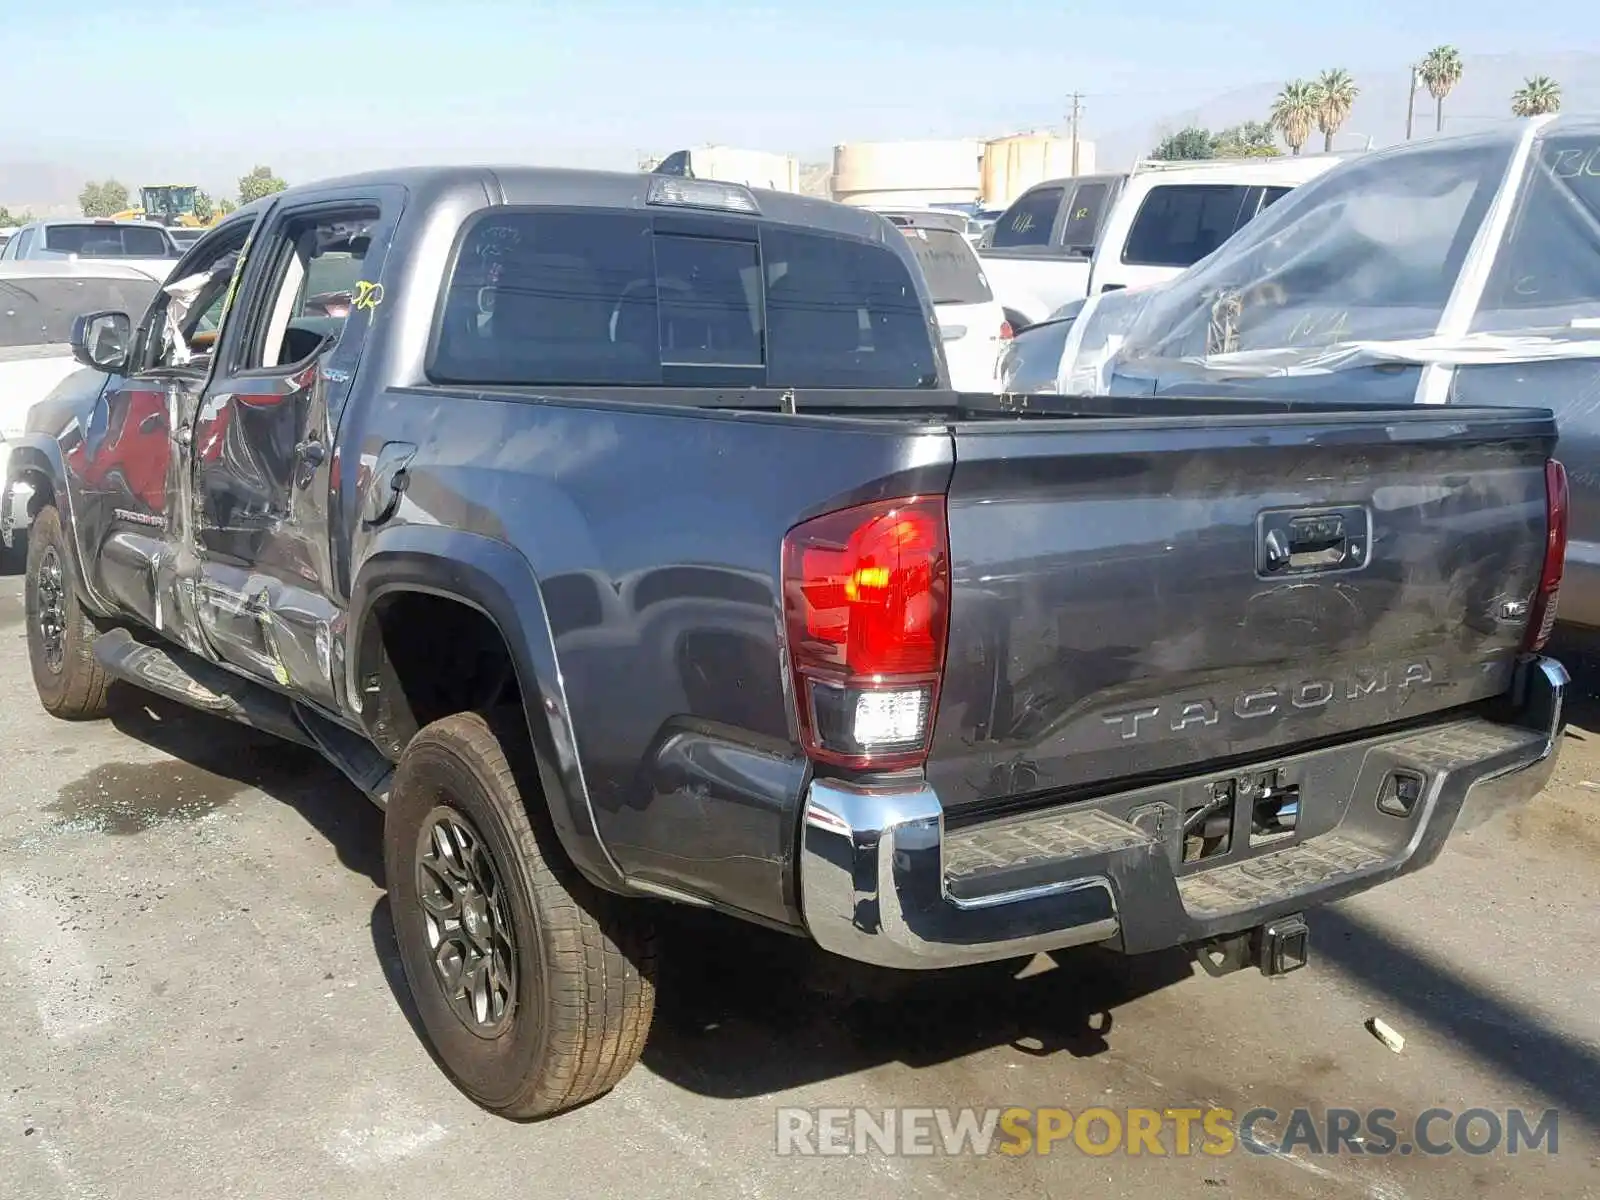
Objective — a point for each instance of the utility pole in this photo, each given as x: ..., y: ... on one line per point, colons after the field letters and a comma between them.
x: 1411, y: 102
x: 1077, y: 97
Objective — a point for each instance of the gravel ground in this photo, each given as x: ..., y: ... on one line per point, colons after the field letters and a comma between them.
x: 200, y: 997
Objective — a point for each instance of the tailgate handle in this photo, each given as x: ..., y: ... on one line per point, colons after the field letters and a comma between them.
x: 1323, y: 541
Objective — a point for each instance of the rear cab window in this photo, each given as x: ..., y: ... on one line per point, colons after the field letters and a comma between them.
x: 1178, y: 224
x: 107, y: 241
x: 949, y: 266
x: 611, y: 298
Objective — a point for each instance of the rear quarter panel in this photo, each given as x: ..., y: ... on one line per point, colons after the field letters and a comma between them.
x: 655, y: 537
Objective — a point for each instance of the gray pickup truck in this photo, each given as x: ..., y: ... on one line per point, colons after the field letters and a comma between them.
x: 620, y: 536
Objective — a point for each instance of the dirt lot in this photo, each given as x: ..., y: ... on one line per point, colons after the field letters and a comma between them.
x: 201, y: 998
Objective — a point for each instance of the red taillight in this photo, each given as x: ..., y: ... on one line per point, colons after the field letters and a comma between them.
x: 865, y: 593
x: 1006, y: 332
x: 1542, y: 612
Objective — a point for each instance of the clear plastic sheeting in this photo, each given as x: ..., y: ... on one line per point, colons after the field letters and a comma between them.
x: 182, y: 296
x: 1456, y: 251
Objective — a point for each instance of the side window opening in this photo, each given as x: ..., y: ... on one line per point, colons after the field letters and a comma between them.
x: 1028, y: 222
x: 317, y: 276
x: 184, y: 327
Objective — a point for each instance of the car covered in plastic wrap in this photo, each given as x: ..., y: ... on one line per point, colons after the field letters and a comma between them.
x: 1453, y: 270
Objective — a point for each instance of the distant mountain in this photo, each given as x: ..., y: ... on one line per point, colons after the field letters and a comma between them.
x: 44, y: 189
x: 1482, y: 97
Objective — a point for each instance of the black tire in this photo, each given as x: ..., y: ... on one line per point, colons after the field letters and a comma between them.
x: 581, y: 989
x: 70, y: 683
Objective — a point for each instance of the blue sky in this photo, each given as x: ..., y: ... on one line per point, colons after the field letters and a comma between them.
x: 318, y: 88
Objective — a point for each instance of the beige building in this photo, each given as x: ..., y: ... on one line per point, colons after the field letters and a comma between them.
x: 1012, y: 165
x: 913, y: 174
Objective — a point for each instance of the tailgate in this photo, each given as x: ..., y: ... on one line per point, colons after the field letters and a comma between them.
x: 1144, y: 595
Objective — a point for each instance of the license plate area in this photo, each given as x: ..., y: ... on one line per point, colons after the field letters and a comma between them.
x: 1238, y: 817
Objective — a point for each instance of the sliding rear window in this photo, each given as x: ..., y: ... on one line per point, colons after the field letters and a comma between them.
x: 605, y: 298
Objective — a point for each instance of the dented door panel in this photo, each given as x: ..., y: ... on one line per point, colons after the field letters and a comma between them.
x: 264, y: 468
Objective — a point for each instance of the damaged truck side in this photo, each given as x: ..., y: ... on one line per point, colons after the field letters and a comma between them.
x: 621, y: 537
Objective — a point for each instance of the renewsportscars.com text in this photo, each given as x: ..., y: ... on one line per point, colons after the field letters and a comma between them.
x: 1175, y: 1132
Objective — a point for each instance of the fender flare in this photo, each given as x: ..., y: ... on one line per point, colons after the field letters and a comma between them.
x: 39, y: 456
x: 496, y: 580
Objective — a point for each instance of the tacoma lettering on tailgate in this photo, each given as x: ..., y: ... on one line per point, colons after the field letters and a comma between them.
x: 1202, y: 712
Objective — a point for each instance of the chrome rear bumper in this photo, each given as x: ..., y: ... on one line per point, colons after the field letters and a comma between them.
x: 883, y: 882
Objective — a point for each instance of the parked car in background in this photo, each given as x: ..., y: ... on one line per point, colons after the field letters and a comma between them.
x: 1457, y: 270
x: 1031, y: 360
x: 971, y: 322
x: 38, y: 303
x: 981, y: 223
x: 136, y: 243
x: 184, y: 236
x: 5, y: 235
x: 1068, y: 238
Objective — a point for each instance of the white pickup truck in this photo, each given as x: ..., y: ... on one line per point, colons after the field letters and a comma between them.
x: 1066, y: 239
x: 38, y: 302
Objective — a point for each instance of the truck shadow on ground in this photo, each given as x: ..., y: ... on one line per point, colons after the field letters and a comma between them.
x: 1508, y: 1040
x: 744, y: 1012
x: 218, y: 760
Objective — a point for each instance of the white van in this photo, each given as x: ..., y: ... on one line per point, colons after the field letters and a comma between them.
x: 971, y: 322
x: 1066, y: 239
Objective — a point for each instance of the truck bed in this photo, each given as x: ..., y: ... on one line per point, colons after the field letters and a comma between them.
x: 1110, y: 617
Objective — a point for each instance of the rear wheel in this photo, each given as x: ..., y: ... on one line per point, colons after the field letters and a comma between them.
x: 70, y: 683
x: 536, y: 990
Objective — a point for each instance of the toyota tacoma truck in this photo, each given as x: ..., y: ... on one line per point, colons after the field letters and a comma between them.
x: 622, y: 539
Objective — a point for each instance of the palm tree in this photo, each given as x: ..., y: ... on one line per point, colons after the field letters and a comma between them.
x: 1336, y: 95
x: 1539, y: 95
x: 1294, y: 112
x: 1440, y: 69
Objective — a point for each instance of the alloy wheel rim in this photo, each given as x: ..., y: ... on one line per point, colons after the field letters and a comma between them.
x: 51, y: 616
x: 469, y: 936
